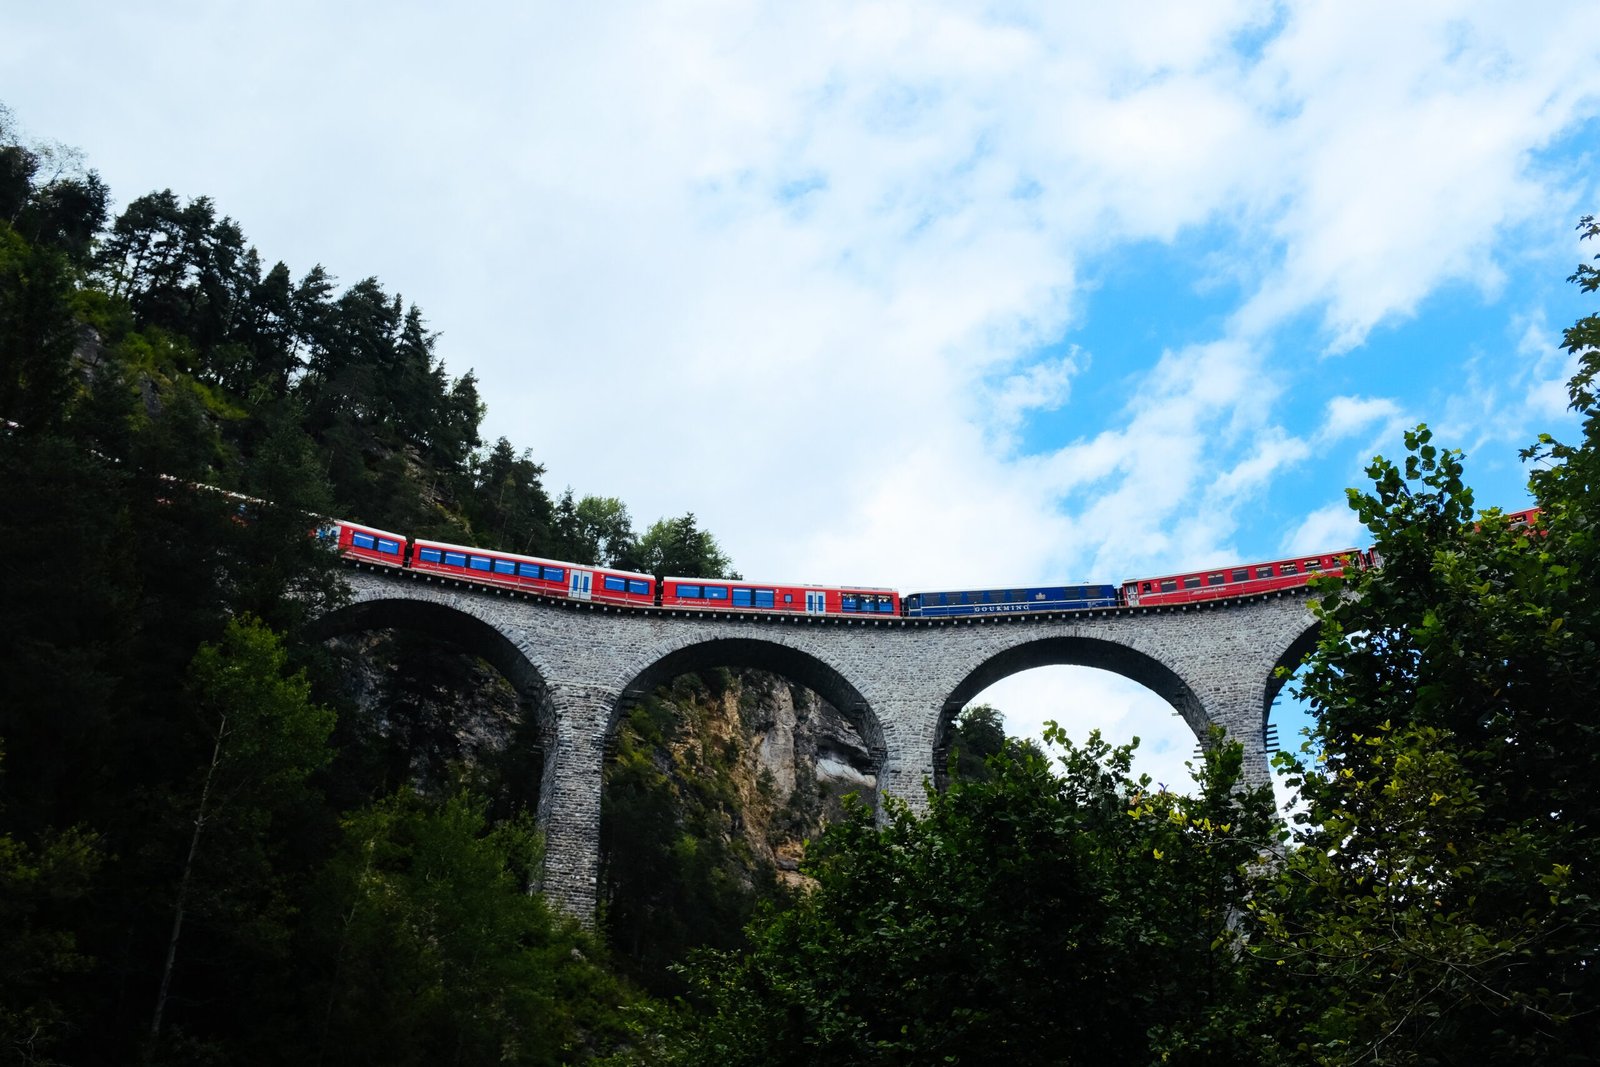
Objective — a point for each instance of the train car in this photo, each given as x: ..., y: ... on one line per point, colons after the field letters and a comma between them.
x: 530, y: 573
x: 622, y: 587
x: 1522, y: 519
x: 1241, y: 580
x: 367, y: 543
x: 723, y: 595
x: 998, y: 601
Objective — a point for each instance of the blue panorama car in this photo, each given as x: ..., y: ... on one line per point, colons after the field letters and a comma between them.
x: 995, y: 601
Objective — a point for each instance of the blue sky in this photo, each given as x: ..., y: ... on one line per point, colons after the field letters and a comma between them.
x: 922, y: 295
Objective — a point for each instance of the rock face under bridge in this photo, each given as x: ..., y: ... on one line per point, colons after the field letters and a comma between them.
x: 578, y: 665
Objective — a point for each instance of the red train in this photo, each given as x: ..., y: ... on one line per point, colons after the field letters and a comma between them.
x: 796, y: 599
x: 1242, y: 580
x: 609, y: 585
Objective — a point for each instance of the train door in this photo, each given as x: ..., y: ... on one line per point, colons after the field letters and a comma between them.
x: 578, y: 587
x: 816, y: 602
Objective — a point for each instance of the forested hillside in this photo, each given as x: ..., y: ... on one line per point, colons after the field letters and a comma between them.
x: 224, y: 843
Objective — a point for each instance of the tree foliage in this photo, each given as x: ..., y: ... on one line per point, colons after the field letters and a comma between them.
x: 1048, y: 914
x: 433, y: 951
x: 1442, y: 904
x: 166, y: 811
x: 680, y: 547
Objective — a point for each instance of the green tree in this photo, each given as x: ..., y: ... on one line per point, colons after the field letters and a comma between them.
x: 1049, y: 915
x: 37, y: 333
x: 604, y: 531
x: 39, y: 954
x: 434, y: 952
x: 266, y: 739
x: 977, y: 734
x: 1442, y: 906
x: 510, y: 509
x: 680, y: 547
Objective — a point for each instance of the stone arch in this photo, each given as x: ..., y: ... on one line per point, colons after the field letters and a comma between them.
x: 471, y: 633
x: 445, y: 621
x: 1070, y: 651
x: 787, y: 661
x: 1295, y: 652
x: 1293, y: 655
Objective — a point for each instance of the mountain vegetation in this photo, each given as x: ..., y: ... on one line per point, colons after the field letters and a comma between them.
x: 222, y: 842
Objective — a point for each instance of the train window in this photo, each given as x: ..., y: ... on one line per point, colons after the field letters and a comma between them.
x: 1264, y: 572
x: 1169, y: 585
x: 766, y: 598
x: 1192, y: 582
x: 1313, y: 564
x: 743, y: 598
x: 555, y: 574
x: 886, y: 605
x: 716, y: 592
x: 456, y: 559
x: 1147, y: 587
x: 788, y: 598
x: 691, y: 591
x: 614, y: 584
x: 430, y: 555
x: 527, y: 570
x: 388, y: 547
x: 480, y: 563
x: 1242, y: 574
x: 1215, y: 579
x: 361, y: 540
x: 1288, y: 568
x: 637, y: 586
x: 504, y: 566
x: 847, y: 602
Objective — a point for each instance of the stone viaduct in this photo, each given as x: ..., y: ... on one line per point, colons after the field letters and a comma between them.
x: 578, y: 665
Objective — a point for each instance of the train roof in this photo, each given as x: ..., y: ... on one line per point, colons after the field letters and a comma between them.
x: 1008, y: 588
x: 371, y: 529
x: 543, y: 561
x: 1252, y: 563
x: 782, y: 585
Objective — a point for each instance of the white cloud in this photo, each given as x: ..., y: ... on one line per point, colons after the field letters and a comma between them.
x: 1326, y: 529
x: 1350, y: 415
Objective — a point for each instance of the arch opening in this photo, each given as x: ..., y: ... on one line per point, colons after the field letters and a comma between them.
x: 1084, y: 683
x: 1286, y: 717
x: 798, y: 667
x: 1081, y: 699
x: 446, y: 700
x: 723, y: 758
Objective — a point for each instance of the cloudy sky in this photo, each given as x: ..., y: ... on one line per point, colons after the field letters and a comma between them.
x: 922, y: 295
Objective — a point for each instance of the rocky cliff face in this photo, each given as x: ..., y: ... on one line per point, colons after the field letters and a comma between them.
x: 798, y: 759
